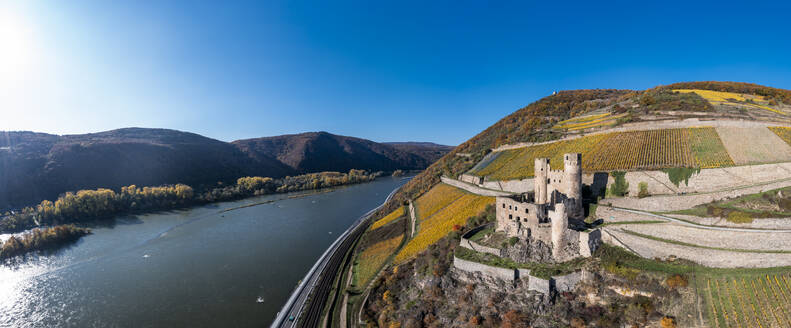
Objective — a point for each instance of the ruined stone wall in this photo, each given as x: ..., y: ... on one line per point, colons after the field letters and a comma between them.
x: 516, y: 218
x: 567, y: 282
x: 469, y: 244
x: 514, y: 186
x: 469, y: 178
x: 589, y: 242
x: 538, y: 285
x: 469, y: 266
x: 475, y: 189
x: 562, y: 283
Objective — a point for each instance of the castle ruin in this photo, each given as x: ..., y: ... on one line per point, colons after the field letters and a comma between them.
x: 544, y: 214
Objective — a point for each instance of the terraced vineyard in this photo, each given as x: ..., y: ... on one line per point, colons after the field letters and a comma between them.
x: 782, y: 132
x: 435, y: 199
x: 707, y: 148
x: 389, y: 218
x: 652, y: 149
x: 443, y: 218
x: 588, y: 121
x: 757, y: 300
x: 373, y: 258
x: 733, y: 99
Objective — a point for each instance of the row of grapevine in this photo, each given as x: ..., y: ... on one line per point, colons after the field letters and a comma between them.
x: 782, y: 132
x: 442, y: 222
x: 733, y: 99
x: 399, y: 212
x: 370, y: 260
x: 632, y: 150
x: 708, y: 149
x: 435, y: 199
x: 753, y: 301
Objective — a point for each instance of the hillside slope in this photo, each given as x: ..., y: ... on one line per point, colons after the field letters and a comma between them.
x: 38, y: 166
x: 577, y: 112
x: 322, y: 151
x: 427, y: 150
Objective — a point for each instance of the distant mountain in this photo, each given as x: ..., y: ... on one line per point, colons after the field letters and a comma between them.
x: 322, y: 151
x: 428, y: 150
x: 37, y: 166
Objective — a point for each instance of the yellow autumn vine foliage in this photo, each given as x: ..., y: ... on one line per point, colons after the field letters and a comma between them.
x: 389, y: 218
x: 441, y: 223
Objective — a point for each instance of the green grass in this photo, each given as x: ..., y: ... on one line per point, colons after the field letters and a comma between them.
x: 735, y: 210
x: 480, y: 234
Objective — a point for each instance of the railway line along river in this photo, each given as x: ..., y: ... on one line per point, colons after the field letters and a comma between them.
x: 220, y: 265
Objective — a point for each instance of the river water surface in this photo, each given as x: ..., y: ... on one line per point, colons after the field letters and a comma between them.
x: 199, y: 267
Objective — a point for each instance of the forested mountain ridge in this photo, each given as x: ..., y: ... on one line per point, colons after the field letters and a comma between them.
x: 322, y: 151
x: 428, y: 150
x: 38, y: 166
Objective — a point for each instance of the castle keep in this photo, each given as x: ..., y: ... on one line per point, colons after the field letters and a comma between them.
x: 544, y: 214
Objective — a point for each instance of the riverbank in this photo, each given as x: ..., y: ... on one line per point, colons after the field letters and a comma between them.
x: 91, y: 205
x: 199, y: 267
x: 40, y: 240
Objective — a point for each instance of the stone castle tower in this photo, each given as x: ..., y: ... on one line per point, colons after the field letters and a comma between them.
x: 555, y: 186
x: 544, y: 213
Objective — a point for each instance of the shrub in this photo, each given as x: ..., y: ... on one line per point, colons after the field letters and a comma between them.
x: 512, y: 241
x: 643, y: 187
x: 714, y: 211
x: 676, y: 281
x: 668, y: 322
x: 620, y: 187
x: 739, y: 217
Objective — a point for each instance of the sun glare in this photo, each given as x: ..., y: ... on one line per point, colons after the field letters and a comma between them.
x: 16, y: 47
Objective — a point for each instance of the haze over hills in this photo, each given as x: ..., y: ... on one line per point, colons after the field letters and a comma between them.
x: 37, y: 166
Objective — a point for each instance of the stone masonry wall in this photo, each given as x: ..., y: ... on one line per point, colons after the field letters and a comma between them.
x: 568, y: 282
x: 466, y: 243
x: 469, y: 266
x: 658, y: 182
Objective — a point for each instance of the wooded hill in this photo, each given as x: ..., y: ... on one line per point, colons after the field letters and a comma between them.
x: 38, y: 166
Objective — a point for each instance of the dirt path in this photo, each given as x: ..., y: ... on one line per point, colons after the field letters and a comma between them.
x: 699, y: 226
x: 345, y: 299
x: 412, y: 218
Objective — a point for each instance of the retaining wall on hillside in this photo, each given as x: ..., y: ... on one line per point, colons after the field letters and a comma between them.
x: 658, y: 182
x: 640, y: 126
x: 474, y: 188
x: 501, y: 273
x: 545, y: 286
x: 467, y: 243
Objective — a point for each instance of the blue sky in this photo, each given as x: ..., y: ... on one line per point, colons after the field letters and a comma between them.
x: 386, y: 71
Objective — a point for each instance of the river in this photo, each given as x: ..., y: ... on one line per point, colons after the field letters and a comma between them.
x: 199, y: 267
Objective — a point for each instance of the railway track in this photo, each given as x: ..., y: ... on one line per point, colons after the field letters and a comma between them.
x: 305, y: 306
x: 313, y: 313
